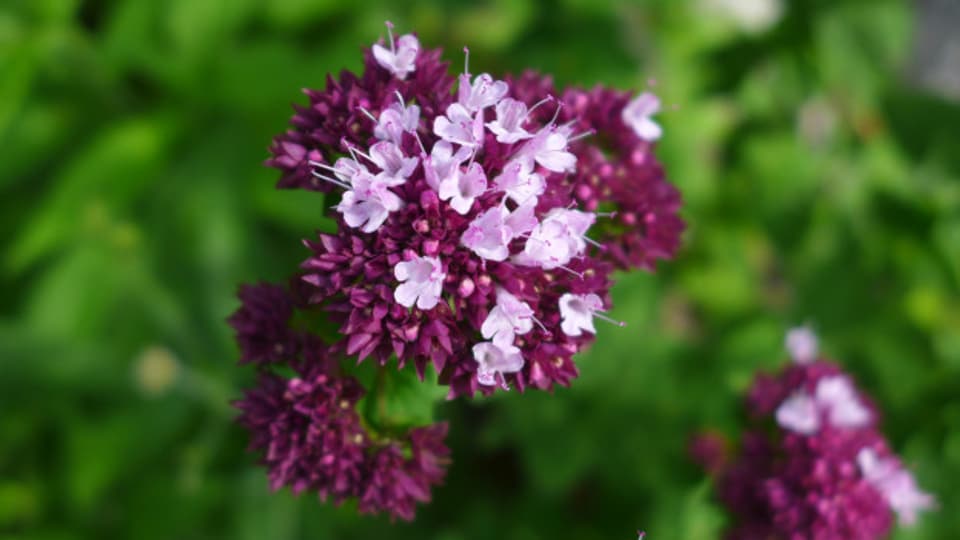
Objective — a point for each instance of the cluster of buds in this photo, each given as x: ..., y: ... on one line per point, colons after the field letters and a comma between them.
x: 825, y: 471
x: 478, y: 224
x: 307, y: 426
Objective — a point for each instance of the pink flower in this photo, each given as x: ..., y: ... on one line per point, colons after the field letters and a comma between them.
x: 396, y: 120
x: 493, y: 359
x: 511, y: 316
x: 400, y: 59
x: 508, y: 127
x: 557, y: 239
x: 801, y: 343
x: 369, y: 203
x: 549, y: 149
x: 577, y: 311
x: 799, y: 413
x: 896, y: 484
x: 637, y: 115
x: 833, y: 396
x: 421, y: 282
x: 459, y: 127
x: 443, y: 163
x: 484, y: 92
x: 837, y: 396
x: 519, y: 182
x: 393, y: 164
x: 488, y: 235
x: 462, y: 187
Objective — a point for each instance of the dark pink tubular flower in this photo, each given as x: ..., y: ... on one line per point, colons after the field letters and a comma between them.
x: 465, y: 235
x: 617, y: 170
x: 825, y: 471
x: 313, y: 440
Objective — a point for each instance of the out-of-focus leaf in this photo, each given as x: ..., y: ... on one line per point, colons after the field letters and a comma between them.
x: 110, y: 171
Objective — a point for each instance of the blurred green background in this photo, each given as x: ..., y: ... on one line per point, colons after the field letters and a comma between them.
x: 815, y: 142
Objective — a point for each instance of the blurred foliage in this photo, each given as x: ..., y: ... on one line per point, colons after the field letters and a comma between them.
x: 820, y: 186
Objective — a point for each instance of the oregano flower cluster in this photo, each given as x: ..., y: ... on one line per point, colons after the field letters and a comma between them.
x: 478, y: 224
x: 824, y: 471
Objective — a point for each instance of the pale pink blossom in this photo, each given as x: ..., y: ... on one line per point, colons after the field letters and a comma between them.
x: 557, y: 239
x: 484, y: 92
x: 801, y: 343
x: 396, y: 120
x: 577, y: 312
x: 837, y: 396
x: 511, y: 316
x: 493, y: 359
x: 442, y: 163
x: 459, y: 126
x: 896, y: 484
x: 799, y: 413
x: 508, y: 127
x: 637, y: 115
x: 400, y: 59
x: 462, y: 187
x: 519, y: 182
x: 548, y: 148
x: 369, y: 203
x: 488, y: 235
x: 421, y: 282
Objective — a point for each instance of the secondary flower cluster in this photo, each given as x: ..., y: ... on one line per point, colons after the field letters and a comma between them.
x: 307, y: 426
x: 467, y: 212
x: 826, y: 472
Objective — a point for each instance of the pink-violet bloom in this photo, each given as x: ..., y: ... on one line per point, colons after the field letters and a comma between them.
x: 834, y: 396
x: 396, y: 120
x: 443, y: 163
x: 837, y: 396
x: 459, y: 126
x: 421, y: 282
x: 801, y: 343
x: 577, y: 312
x: 484, y: 92
x: 549, y: 149
x: 508, y: 127
x: 462, y: 187
x: 488, y: 235
x: 511, y: 316
x: 557, y: 239
x: 799, y: 413
x: 400, y: 59
x: 519, y: 182
x: 493, y: 359
x: 369, y: 203
x: 393, y: 164
x: 897, y: 485
x: 637, y: 115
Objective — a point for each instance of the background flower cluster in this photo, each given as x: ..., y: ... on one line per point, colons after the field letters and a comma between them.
x: 813, y: 141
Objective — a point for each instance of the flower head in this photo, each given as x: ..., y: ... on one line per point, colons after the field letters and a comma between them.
x: 452, y: 189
